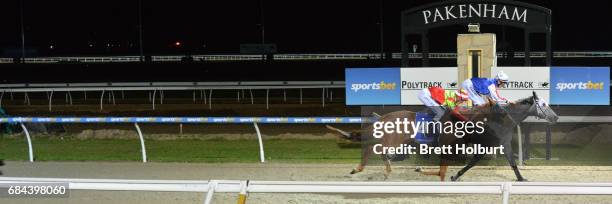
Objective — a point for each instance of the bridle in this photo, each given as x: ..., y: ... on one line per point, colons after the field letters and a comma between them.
x: 539, y: 109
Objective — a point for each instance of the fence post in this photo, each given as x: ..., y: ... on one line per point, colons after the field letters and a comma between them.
x: 142, y: 143
x: 153, y: 98
x: 27, y: 134
x: 50, y: 100
x: 210, y: 99
x: 102, y: 99
x: 506, y: 192
x: 242, y: 196
x: 323, y: 98
x: 261, y: 148
x: 211, y: 190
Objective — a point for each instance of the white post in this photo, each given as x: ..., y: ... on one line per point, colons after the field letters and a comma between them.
x: 520, y: 144
x: 194, y: 96
x: 238, y: 96
x: 153, y: 98
x: 112, y: 93
x: 50, y: 99
x: 70, y: 96
x: 242, y: 196
x: 30, y: 150
x: 142, y: 143
x: 161, y: 97
x: 26, y: 100
x: 261, y: 148
x: 267, y: 103
x: 85, y: 93
x: 211, y: 190
x: 323, y: 98
x: 102, y: 99
x: 300, y: 96
x: 506, y: 192
x: 210, y: 99
x: 331, y: 95
x: 251, y: 92
x: 284, y: 95
x: 203, y: 92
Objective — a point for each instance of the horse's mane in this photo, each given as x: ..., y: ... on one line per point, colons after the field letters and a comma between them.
x: 527, y: 100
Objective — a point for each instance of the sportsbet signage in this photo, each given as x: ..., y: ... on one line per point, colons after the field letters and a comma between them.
x: 372, y: 86
x: 400, y: 86
x: 580, y: 85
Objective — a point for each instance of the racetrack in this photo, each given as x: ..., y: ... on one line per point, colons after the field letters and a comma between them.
x: 292, y: 172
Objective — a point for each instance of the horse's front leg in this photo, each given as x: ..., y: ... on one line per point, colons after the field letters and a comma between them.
x: 365, y: 154
x: 510, y: 157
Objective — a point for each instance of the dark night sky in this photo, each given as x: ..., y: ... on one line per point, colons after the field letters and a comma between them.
x: 295, y: 26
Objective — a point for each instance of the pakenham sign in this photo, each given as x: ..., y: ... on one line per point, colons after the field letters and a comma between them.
x: 462, y: 11
x: 418, y: 21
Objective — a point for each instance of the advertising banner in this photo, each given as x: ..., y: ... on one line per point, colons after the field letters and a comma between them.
x: 580, y: 85
x: 523, y: 81
x: 372, y: 86
x: 416, y: 79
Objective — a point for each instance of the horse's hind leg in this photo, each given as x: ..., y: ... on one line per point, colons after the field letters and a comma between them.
x: 471, y: 164
x: 441, y: 172
x: 365, y: 154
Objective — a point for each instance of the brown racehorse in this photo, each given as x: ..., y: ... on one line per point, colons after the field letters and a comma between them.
x: 365, y: 136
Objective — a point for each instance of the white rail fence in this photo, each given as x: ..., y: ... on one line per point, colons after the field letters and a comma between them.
x: 178, y: 120
x: 308, y: 56
x: 504, y: 189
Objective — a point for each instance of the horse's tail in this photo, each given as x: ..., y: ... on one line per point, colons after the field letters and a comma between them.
x: 346, y: 135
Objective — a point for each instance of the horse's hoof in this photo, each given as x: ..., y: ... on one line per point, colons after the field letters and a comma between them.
x: 354, y: 171
x: 522, y: 180
x: 418, y: 169
x: 453, y: 178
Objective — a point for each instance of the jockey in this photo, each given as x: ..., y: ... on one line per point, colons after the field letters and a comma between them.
x: 438, y: 99
x: 478, y: 87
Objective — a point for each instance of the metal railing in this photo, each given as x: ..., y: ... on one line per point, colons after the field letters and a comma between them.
x: 322, y: 56
x: 243, y: 187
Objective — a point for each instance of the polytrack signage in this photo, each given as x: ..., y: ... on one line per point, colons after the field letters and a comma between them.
x: 416, y: 79
x: 523, y: 81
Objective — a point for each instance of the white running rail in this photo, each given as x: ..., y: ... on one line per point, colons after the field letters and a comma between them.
x: 505, y: 189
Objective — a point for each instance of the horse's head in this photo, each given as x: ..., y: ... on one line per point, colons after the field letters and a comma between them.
x: 539, y: 108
